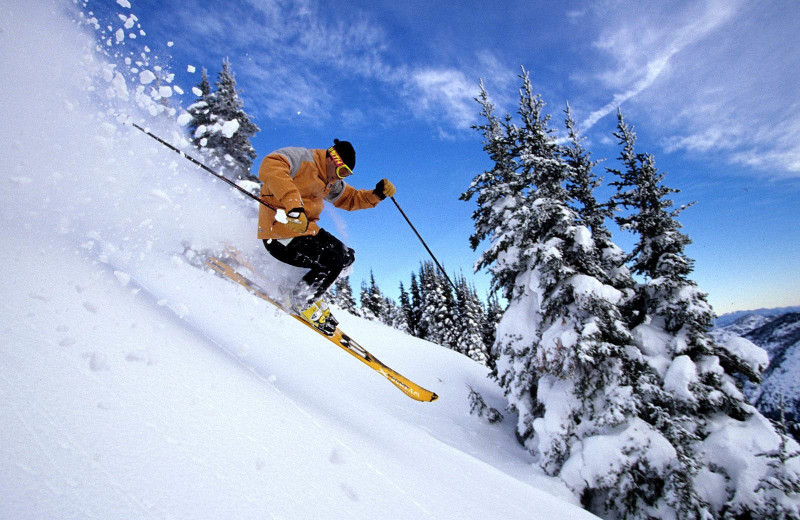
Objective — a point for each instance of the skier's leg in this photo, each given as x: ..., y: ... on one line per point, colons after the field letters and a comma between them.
x: 322, y: 254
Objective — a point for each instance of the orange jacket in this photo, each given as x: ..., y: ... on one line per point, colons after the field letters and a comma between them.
x: 296, y: 178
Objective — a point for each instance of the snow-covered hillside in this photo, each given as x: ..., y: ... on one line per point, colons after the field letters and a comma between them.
x: 778, y: 394
x: 135, y: 385
x: 742, y: 325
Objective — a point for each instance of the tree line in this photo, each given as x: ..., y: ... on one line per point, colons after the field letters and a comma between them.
x: 429, y: 309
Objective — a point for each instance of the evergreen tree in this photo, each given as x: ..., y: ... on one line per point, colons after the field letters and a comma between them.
x: 469, y: 338
x: 200, y: 111
x: 373, y: 302
x: 364, y: 310
x: 437, y: 319
x: 226, y: 135
x: 343, y: 295
x: 409, y: 316
x: 500, y: 191
x: 565, y: 356
x: 582, y: 182
x: 416, y: 308
x: 581, y: 185
x: 696, y: 395
x: 494, y: 313
x: 394, y: 316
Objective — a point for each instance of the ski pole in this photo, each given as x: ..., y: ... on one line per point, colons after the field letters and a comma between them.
x: 203, y: 166
x: 424, y: 244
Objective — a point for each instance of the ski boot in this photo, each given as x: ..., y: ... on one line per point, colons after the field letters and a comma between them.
x: 318, y: 314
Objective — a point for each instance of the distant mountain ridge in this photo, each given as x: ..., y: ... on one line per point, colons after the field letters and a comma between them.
x: 729, y: 318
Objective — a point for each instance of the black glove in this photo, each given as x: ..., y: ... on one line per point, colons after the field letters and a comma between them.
x: 384, y: 189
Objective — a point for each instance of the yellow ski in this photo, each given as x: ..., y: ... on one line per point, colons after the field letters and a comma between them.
x: 339, y: 338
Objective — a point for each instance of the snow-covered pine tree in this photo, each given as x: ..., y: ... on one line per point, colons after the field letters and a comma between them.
x: 416, y: 307
x: 500, y: 192
x: 227, y: 136
x: 342, y: 295
x: 437, y: 316
x: 566, y: 360
x: 582, y: 183
x: 494, y: 313
x: 409, y: 315
x: 697, y: 401
x: 200, y: 111
x: 469, y: 338
x: 393, y: 315
x: 373, y: 302
x: 581, y: 186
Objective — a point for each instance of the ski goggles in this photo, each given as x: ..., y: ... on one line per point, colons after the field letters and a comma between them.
x: 342, y: 170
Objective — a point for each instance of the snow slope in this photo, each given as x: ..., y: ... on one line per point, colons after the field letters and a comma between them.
x: 135, y: 385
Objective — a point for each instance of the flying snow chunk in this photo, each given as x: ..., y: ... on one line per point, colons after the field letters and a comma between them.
x: 124, y: 3
x: 184, y: 119
x: 170, y: 44
x: 191, y: 69
x: 146, y: 77
x: 197, y: 92
x: 230, y: 128
x: 130, y: 21
x: 123, y: 278
x: 120, y: 88
x: 119, y: 35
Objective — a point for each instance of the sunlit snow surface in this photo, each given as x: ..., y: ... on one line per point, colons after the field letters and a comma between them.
x: 135, y: 385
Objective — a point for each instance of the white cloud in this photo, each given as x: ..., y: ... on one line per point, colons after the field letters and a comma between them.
x: 444, y: 93
x: 643, y: 48
x: 301, y: 61
x: 715, y: 77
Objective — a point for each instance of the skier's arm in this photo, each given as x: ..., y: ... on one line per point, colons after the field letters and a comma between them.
x: 346, y: 197
x: 276, y: 181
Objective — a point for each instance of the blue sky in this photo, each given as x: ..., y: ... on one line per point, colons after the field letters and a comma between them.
x: 710, y: 87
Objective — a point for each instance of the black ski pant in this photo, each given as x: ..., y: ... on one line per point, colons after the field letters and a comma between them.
x: 324, y: 255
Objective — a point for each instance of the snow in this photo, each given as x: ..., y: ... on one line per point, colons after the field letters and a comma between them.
x: 587, y: 287
x: 583, y: 237
x: 146, y: 77
x: 755, y: 356
x: 609, y: 454
x: 680, y: 374
x: 136, y: 385
x: 184, y: 119
x: 280, y: 216
x: 229, y: 128
x: 730, y: 447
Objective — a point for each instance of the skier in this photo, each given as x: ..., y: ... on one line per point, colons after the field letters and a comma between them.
x: 296, y: 181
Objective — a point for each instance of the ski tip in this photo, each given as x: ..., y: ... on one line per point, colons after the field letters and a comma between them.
x: 434, y: 397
